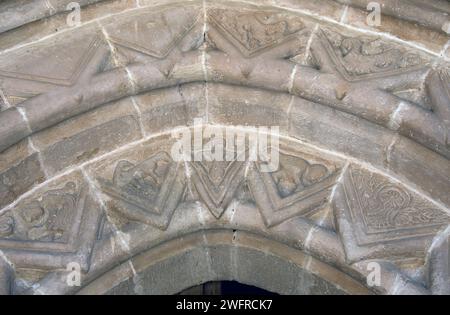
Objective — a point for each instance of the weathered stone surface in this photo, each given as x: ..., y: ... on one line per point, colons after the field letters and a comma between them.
x: 339, y: 131
x: 12, y: 127
x: 430, y: 171
x: 87, y: 136
x: 20, y: 170
x: 58, y: 23
x: 91, y: 117
x: 378, y: 218
x: 323, y: 8
x: 432, y: 39
x: 16, y: 14
x: 440, y: 265
x: 432, y: 14
x: 53, y: 227
x: 229, y: 105
x: 165, y: 109
x: 6, y: 277
x: 210, y: 261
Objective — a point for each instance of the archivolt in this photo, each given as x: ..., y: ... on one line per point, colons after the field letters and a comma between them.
x: 368, y: 117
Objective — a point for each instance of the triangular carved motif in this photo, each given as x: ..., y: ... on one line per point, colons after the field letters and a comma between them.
x: 58, y: 227
x: 298, y: 188
x: 382, y: 211
x: 217, y: 182
x: 253, y: 32
x: 52, y: 65
x: 361, y: 58
x: 149, y: 191
x: 154, y: 34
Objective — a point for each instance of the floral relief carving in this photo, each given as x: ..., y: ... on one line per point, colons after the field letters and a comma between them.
x: 339, y: 95
x: 252, y: 32
x: 384, y: 211
x: 59, y: 223
x: 48, y: 219
x: 357, y: 58
x: 151, y: 191
x: 389, y: 207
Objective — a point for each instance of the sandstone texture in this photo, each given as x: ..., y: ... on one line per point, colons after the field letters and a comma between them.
x: 88, y: 114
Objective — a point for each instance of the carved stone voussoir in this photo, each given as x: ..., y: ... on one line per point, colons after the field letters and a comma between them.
x: 359, y: 57
x: 152, y: 33
x: 285, y: 144
x: 378, y: 218
x: 144, y: 185
x: 253, y: 31
x: 301, y: 185
x: 55, y: 226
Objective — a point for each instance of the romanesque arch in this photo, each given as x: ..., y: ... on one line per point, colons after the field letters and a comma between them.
x: 87, y: 124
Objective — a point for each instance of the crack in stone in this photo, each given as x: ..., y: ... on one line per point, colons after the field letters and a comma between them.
x: 398, y: 284
x: 437, y: 283
x: 233, y: 207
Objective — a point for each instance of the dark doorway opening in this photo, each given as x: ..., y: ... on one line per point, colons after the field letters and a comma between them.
x: 225, y: 288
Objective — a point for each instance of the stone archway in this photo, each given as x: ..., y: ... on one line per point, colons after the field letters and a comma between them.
x: 87, y: 124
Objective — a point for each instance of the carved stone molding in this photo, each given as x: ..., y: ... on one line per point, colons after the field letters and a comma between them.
x: 89, y: 113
